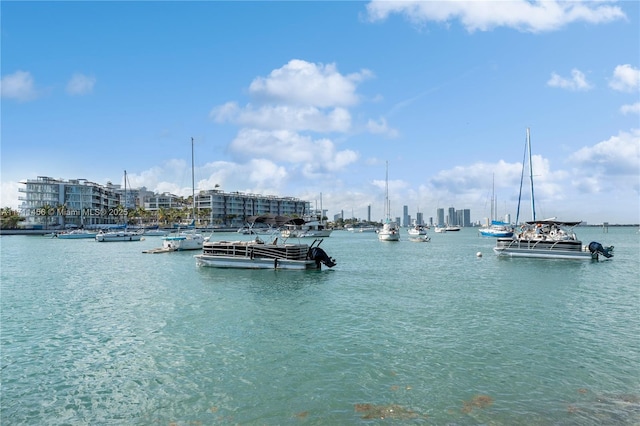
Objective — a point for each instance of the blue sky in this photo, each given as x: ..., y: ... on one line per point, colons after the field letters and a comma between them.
x: 307, y: 98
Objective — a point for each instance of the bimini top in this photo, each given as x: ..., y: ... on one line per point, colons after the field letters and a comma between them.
x: 269, y: 219
x: 553, y: 222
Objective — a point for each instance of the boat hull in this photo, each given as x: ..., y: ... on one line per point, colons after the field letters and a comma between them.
x: 76, y: 236
x: 571, y: 250
x: 258, y: 255
x: 115, y: 237
x: 255, y: 263
x: 183, y: 243
x: 388, y: 236
x: 496, y: 234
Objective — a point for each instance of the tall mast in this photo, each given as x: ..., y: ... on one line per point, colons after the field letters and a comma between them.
x: 193, y: 184
x: 125, y: 196
x: 387, y: 206
x: 533, y: 204
x: 493, y: 199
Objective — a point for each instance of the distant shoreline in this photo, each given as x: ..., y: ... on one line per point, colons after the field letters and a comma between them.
x: 41, y: 232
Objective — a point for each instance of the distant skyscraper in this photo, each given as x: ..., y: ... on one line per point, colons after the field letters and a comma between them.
x: 419, y: 220
x: 452, y: 216
x: 466, y: 217
x: 405, y: 216
x: 440, y: 217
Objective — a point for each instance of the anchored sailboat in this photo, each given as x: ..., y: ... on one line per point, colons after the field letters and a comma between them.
x: 189, y: 239
x: 389, y: 231
x: 495, y: 228
x: 120, y: 235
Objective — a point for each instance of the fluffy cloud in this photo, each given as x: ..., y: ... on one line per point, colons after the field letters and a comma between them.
x: 530, y: 16
x: 314, y: 156
x: 307, y: 84
x: 9, y: 194
x: 617, y: 156
x: 19, y: 86
x: 630, y: 109
x: 576, y: 82
x: 625, y: 78
x: 274, y: 117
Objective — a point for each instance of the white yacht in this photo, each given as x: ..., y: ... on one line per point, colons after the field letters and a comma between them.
x: 118, y: 235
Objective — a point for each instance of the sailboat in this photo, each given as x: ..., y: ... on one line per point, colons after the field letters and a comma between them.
x: 390, y: 230
x: 547, y: 238
x: 495, y: 228
x: 122, y: 234
x: 186, y: 239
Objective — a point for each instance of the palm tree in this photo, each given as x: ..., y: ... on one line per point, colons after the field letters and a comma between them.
x: 10, y: 218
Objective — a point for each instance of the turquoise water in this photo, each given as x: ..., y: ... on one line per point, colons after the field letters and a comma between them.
x: 397, y: 333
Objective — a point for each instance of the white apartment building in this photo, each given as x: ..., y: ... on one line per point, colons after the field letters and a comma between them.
x: 53, y: 202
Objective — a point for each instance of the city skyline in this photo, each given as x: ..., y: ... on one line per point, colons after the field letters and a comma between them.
x: 317, y: 98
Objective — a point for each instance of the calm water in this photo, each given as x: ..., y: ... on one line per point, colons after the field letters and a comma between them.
x: 418, y: 333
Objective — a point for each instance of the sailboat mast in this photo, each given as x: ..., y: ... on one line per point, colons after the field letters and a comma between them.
x: 524, y: 159
x: 533, y: 204
x: 493, y: 197
x: 125, y: 196
x: 387, y: 207
x: 193, y: 184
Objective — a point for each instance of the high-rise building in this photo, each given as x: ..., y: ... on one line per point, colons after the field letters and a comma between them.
x: 452, y: 218
x: 440, y: 217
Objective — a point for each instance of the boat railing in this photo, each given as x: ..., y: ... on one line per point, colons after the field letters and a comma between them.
x: 254, y: 249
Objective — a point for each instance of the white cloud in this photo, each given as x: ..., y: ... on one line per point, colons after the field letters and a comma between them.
x: 9, y: 194
x: 630, y: 109
x: 625, y: 78
x: 303, y: 83
x: 529, y: 16
x: 617, y: 156
x: 273, y: 117
x: 299, y: 96
x: 19, y: 86
x: 80, y: 84
x: 576, y: 82
x: 313, y: 156
x: 260, y: 176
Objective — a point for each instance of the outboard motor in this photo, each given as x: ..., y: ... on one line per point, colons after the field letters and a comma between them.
x: 319, y: 255
x: 595, y: 247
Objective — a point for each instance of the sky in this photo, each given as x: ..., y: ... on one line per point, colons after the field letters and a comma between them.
x: 314, y: 99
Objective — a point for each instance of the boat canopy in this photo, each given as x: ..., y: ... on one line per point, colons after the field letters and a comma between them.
x: 269, y: 219
x: 296, y: 221
x: 554, y: 222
